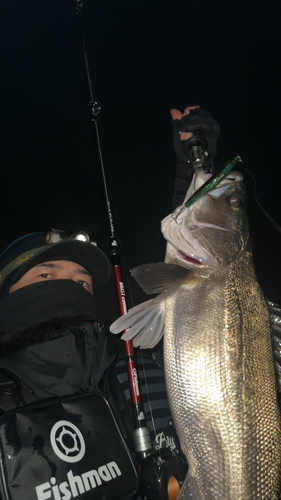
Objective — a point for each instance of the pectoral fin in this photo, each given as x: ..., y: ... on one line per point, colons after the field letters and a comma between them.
x: 145, y: 322
x: 159, y: 277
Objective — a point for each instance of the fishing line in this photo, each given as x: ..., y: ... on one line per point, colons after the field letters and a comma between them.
x: 267, y: 215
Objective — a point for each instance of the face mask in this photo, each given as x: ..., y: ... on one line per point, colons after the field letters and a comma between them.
x: 44, y: 301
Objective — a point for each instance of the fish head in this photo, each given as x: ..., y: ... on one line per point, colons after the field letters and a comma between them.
x: 212, y: 231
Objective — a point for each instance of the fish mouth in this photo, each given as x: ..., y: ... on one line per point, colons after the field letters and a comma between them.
x: 190, y: 259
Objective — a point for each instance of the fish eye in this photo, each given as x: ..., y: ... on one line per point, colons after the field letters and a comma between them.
x: 234, y: 201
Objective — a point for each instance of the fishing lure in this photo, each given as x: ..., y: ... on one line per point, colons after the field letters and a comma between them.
x: 216, y: 178
x: 213, y: 181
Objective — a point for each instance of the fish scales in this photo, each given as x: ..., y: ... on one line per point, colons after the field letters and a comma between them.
x: 221, y: 385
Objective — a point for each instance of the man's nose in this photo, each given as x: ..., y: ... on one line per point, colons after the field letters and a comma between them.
x: 65, y: 275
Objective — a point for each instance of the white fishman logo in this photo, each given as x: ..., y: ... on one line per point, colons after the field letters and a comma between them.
x: 68, y: 444
x: 67, y: 441
x: 77, y: 485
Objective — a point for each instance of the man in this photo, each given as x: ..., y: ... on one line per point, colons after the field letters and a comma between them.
x: 50, y: 336
x: 54, y: 353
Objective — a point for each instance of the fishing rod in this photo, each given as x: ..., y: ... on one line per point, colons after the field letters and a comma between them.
x: 141, y: 433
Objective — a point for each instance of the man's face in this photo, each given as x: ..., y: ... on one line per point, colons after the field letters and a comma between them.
x: 56, y: 270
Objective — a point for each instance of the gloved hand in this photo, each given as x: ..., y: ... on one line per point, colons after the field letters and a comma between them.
x: 194, y: 121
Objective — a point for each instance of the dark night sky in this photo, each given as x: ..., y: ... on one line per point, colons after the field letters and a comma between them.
x: 145, y: 57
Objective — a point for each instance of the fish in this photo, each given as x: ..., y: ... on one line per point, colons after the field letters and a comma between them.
x: 218, y: 357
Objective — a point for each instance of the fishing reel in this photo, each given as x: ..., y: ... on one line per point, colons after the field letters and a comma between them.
x: 162, y: 474
x: 200, y: 149
x: 195, y: 149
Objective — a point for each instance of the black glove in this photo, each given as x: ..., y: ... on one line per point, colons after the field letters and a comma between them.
x: 205, y: 129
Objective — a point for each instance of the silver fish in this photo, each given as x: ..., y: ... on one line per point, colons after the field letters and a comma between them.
x: 217, y: 347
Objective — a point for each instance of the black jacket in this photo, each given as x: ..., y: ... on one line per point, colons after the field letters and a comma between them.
x: 55, y: 358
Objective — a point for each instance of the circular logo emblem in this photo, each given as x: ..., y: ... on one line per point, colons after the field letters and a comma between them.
x: 67, y: 441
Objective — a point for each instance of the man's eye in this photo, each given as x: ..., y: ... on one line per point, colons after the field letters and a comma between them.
x: 84, y: 284
x: 46, y: 275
